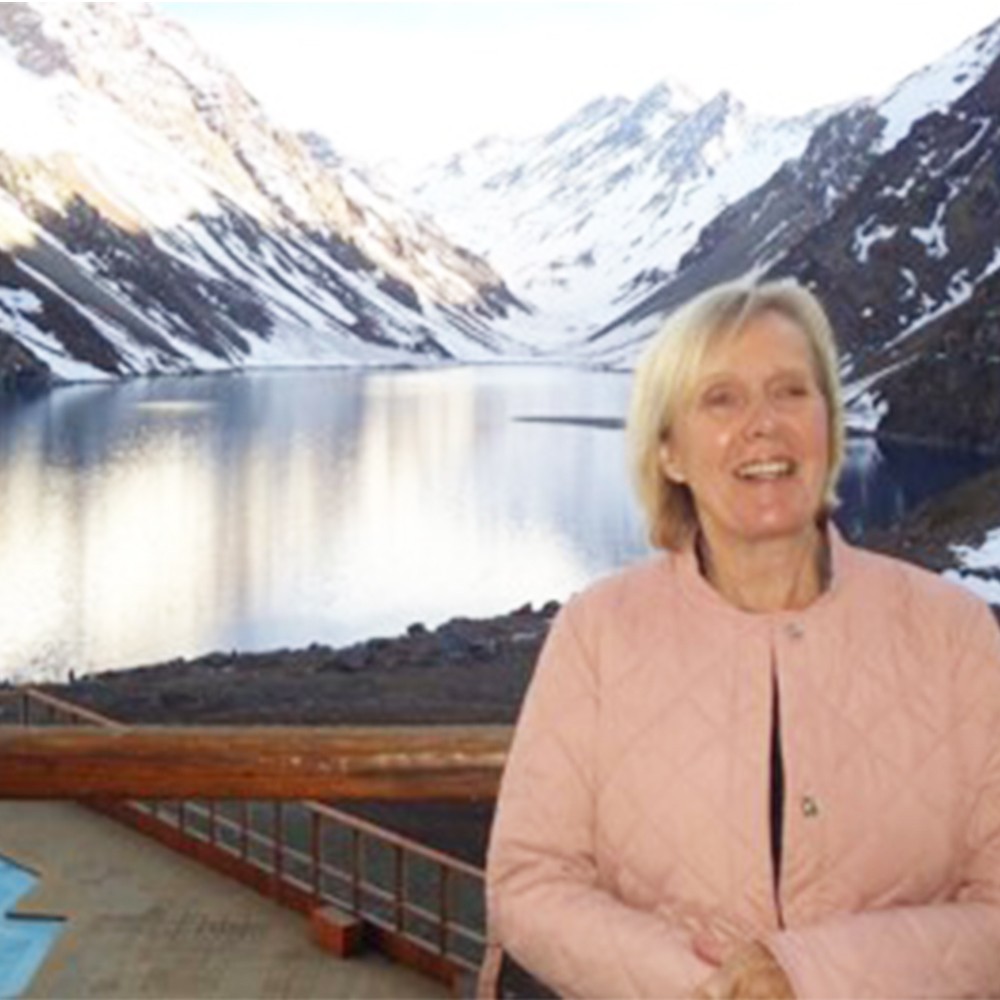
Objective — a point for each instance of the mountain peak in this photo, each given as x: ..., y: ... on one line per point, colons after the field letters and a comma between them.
x: 666, y: 95
x: 580, y: 219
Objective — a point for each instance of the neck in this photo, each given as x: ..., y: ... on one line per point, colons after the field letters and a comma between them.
x: 782, y: 574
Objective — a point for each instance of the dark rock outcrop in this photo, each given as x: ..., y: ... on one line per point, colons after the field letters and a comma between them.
x: 944, y: 387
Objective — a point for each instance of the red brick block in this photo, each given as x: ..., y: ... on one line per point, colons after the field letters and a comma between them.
x: 337, y: 931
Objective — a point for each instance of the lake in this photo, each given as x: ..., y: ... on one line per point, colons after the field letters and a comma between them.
x: 158, y: 518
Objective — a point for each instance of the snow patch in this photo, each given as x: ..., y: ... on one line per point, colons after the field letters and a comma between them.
x: 902, y: 191
x: 32, y: 124
x: 979, y: 567
x: 983, y: 556
x: 934, y: 235
x: 16, y: 306
x: 960, y: 289
x: 19, y: 300
x: 866, y: 236
x: 865, y: 411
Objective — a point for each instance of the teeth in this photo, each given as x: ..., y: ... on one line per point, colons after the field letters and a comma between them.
x: 765, y: 470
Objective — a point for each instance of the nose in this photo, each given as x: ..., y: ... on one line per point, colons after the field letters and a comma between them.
x: 761, y: 418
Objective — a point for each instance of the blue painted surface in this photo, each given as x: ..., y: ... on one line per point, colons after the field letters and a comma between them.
x: 24, y: 941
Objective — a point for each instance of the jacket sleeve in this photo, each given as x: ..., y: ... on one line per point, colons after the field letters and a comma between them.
x: 546, y: 904
x: 951, y: 949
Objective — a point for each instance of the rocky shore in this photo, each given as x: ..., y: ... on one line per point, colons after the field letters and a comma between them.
x: 465, y: 671
x: 963, y: 515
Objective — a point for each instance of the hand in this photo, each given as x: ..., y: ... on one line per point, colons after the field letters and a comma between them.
x: 749, y: 973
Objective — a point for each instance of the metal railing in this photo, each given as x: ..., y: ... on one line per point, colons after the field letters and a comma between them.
x: 309, y: 854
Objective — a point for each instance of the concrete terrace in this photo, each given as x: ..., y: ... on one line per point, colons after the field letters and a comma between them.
x: 144, y: 922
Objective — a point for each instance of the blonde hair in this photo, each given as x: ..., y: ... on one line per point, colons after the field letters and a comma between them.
x: 672, y: 363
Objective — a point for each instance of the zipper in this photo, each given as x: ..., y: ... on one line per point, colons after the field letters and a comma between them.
x: 777, y: 795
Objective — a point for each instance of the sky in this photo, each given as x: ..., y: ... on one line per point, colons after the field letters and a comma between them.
x: 416, y: 81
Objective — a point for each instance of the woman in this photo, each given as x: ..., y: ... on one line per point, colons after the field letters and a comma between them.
x: 764, y: 763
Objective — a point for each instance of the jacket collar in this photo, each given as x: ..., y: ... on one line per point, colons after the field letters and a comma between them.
x: 699, y: 591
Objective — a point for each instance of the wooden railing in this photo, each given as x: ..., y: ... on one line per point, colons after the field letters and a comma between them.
x: 59, y: 754
x: 418, y: 904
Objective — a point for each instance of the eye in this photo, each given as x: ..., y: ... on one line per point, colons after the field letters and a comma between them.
x: 792, y: 389
x: 720, y: 397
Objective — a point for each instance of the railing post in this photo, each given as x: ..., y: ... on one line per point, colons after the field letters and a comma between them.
x: 444, y: 883
x: 399, y: 886
x: 316, y: 827
x: 244, y: 829
x: 278, y: 832
x: 356, y: 870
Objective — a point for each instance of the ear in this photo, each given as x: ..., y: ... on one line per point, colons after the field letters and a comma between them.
x: 669, y: 465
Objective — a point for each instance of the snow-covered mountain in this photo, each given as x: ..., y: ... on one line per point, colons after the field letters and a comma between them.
x: 907, y: 254
x: 867, y: 199
x: 583, y: 220
x: 153, y: 219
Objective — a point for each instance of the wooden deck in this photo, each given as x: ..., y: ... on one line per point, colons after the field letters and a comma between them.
x: 147, y: 923
x: 230, y: 798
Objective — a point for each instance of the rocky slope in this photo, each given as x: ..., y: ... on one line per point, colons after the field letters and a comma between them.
x: 909, y: 266
x: 942, y: 383
x: 956, y: 533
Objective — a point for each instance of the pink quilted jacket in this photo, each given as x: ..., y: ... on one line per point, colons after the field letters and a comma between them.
x: 634, y: 810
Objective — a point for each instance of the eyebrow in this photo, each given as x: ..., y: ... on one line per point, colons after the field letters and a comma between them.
x: 804, y: 368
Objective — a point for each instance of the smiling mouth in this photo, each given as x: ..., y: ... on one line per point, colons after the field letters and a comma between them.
x: 767, y: 471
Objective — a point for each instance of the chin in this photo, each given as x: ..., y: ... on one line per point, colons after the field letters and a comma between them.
x: 771, y: 530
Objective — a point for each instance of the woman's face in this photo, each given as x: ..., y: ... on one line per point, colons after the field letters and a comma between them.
x: 752, y: 441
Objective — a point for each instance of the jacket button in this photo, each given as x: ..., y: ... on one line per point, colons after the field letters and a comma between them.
x: 794, y: 630
x: 810, y: 807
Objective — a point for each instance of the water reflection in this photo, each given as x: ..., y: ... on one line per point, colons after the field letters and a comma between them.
x: 109, y: 517
x: 175, y: 516
x: 171, y: 517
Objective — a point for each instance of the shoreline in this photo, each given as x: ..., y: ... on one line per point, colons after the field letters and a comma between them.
x: 467, y: 670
